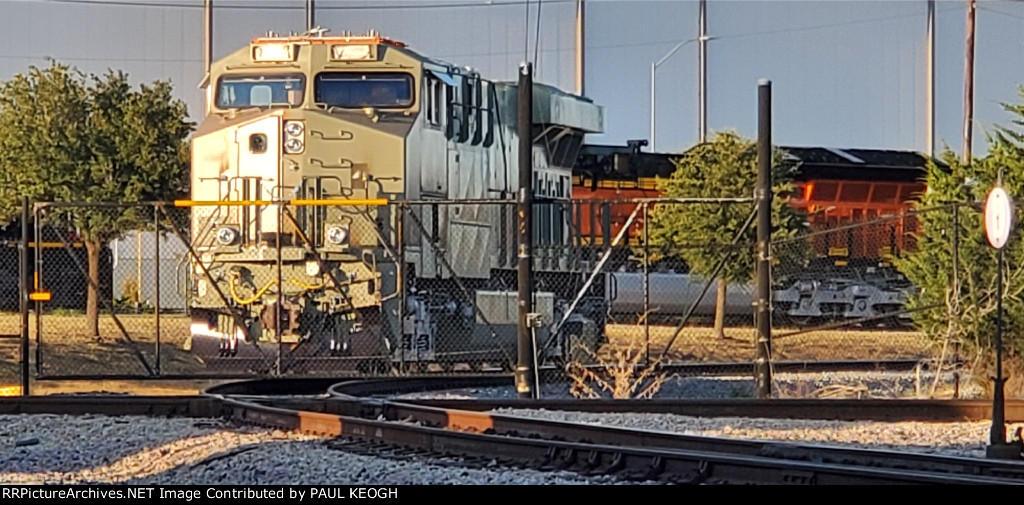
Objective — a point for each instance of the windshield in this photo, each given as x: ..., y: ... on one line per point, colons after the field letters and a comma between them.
x: 351, y: 89
x: 260, y: 91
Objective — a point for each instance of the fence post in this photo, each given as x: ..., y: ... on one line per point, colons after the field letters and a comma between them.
x: 156, y: 284
x: 524, y: 376
x: 400, y: 285
x: 23, y: 291
x: 279, y: 313
x: 956, y: 298
x: 762, y: 364
x: 647, y: 292
x: 37, y: 277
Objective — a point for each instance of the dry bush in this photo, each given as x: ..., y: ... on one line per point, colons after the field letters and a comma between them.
x: 926, y: 382
x: 130, y: 290
x: 980, y: 370
x: 619, y: 373
x: 807, y: 389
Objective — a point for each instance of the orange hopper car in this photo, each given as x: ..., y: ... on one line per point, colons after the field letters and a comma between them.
x: 834, y: 187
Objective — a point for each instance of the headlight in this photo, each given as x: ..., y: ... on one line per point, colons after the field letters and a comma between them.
x: 227, y: 236
x: 294, y: 136
x: 337, y: 235
x: 294, y: 128
x: 293, y: 146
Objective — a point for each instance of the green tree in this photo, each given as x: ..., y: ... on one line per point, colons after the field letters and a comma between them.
x: 967, y: 315
x: 68, y: 138
x: 725, y: 167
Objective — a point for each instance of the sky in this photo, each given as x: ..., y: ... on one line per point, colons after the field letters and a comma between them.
x: 844, y: 73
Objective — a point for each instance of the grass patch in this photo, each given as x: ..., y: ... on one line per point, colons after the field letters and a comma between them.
x: 698, y: 344
x: 65, y: 348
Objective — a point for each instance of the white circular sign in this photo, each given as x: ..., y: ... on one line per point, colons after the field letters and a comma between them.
x: 998, y: 217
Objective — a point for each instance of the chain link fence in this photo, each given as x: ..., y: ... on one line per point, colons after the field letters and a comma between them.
x: 847, y: 299
x: 118, y: 306
x: 659, y: 309
x: 406, y: 287
x: 368, y: 288
x: 10, y: 320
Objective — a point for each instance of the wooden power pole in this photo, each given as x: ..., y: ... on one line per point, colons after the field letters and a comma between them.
x: 969, y: 84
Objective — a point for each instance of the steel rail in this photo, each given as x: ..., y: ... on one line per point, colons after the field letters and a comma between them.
x: 575, y: 432
x: 472, y: 437
x: 439, y: 415
x: 112, y: 405
x: 625, y: 453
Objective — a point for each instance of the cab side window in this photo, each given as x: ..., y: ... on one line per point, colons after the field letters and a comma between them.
x: 435, y: 101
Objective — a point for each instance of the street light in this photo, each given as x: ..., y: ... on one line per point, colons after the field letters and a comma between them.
x: 654, y: 67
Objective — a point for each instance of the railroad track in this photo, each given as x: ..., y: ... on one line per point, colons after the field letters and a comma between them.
x: 478, y: 435
x: 632, y: 454
x: 361, y: 421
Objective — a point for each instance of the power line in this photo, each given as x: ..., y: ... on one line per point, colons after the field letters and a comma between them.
x: 190, y: 5
x: 989, y: 9
x: 126, y: 3
x: 497, y: 3
x: 829, y: 25
x: 768, y: 32
x: 112, y: 58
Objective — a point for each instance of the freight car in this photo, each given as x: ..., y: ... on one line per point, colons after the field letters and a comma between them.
x: 860, y: 193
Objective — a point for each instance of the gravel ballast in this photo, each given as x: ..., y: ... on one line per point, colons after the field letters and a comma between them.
x: 140, y: 450
x: 54, y: 449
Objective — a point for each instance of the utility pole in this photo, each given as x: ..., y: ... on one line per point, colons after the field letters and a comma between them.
x: 969, y: 84
x: 310, y: 15
x: 207, y: 36
x: 525, y: 385
x: 702, y: 20
x: 581, y: 48
x: 207, y: 54
x: 929, y: 107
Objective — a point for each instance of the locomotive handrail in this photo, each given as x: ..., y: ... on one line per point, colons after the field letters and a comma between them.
x: 371, y: 202
x: 590, y: 279
x: 662, y: 199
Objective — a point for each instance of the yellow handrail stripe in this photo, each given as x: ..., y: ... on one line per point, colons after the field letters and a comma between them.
x: 373, y: 202
x: 220, y: 203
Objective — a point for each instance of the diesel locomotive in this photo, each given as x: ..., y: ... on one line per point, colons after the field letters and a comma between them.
x: 350, y: 199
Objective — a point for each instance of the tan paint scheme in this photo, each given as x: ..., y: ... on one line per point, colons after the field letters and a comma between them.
x: 343, y: 145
